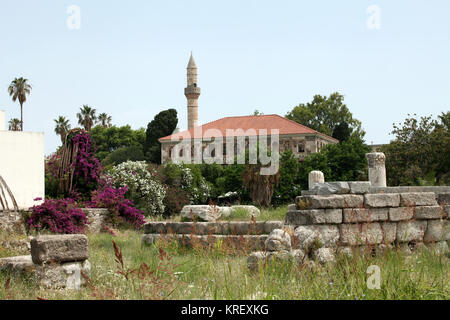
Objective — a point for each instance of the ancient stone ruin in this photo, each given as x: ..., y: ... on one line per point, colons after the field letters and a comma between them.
x: 56, y: 261
x: 365, y: 216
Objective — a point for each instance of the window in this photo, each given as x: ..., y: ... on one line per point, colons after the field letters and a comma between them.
x: 300, y: 148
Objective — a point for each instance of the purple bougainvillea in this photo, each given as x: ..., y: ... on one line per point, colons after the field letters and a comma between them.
x: 58, y: 216
x: 87, y: 168
x: 121, y: 208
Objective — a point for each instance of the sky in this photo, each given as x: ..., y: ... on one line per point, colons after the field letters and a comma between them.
x: 129, y: 58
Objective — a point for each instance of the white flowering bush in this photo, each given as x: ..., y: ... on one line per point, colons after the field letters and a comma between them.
x: 144, y: 189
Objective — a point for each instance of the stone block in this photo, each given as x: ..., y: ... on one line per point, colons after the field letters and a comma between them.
x: 320, y: 202
x: 355, y: 215
x: 361, y: 234
x: 435, y: 231
x: 307, y: 237
x: 291, y: 207
x: 97, y: 218
x: 278, y: 240
x: 63, y: 276
x: 401, y: 213
x: 378, y: 200
x: 389, y: 230
x: 239, y: 227
x: 18, y: 265
x: 327, y: 188
x: 353, y: 201
x: 324, y: 255
x: 408, y: 231
x: 304, y: 237
x: 432, y: 212
x: 59, y: 248
x: 314, y: 216
x: 255, y: 259
x: 447, y: 211
x: 418, y: 199
x: 443, y: 198
x: 359, y: 187
x: 446, y: 231
x: 201, y: 213
x: 269, y: 226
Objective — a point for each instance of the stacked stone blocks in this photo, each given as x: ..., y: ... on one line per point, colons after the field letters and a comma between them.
x: 322, y: 224
x: 56, y: 261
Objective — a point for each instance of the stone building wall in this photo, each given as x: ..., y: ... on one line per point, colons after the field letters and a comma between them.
x: 301, y: 146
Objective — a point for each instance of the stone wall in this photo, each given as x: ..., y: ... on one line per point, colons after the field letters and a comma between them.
x: 373, y: 218
x: 11, y: 221
x: 350, y: 218
x: 245, y: 234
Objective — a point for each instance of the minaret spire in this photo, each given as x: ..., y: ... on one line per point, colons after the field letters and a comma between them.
x: 192, y: 92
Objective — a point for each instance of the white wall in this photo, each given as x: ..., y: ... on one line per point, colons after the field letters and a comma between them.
x: 22, y: 165
x: 2, y: 120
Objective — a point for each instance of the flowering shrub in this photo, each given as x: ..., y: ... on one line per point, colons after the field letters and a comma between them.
x: 189, y: 179
x: 144, y: 189
x: 77, y: 157
x: 122, y: 210
x: 59, y: 216
x: 87, y: 168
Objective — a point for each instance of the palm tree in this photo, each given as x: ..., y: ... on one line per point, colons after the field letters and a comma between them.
x: 86, y: 117
x: 14, y: 124
x: 62, y: 125
x: 19, y: 89
x: 104, y: 120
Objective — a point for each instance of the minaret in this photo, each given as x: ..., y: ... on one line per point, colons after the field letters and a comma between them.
x: 192, y: 92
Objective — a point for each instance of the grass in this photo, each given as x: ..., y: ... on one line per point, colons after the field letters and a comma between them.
x: 169, y: 271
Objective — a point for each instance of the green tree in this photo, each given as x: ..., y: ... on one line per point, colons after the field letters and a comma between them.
x: 328, y: 115
x: 123, y: 154
x: 18, y: 90
x: 62, y: 126
x: 107, y: 140
x: 87, y: 117
x: 162, y: 125
x: 419, y: 153
x: 288, y: 187
x: 104, y: 120
x: 345, y: 161
x: 14, y: 124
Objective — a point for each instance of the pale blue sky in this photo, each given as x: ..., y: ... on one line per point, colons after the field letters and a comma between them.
x: 129, y: 58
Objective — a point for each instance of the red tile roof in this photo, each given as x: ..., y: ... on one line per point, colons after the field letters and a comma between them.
x: 268, y: 122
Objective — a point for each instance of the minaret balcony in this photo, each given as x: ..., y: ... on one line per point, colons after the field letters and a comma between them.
x: 191, y: 90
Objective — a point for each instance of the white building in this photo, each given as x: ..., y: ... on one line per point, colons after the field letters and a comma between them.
x: 22, y: 164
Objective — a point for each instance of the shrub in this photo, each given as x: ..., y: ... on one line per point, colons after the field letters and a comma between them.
x: 175, y: 200
x: 73, y: 168
x: 59, y: 216
x: 87, y: 168
x: 131, y: 153
x: 144, y: 189
x: 122, y: 210
x: 188, y: 178
x: 288, y: 187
